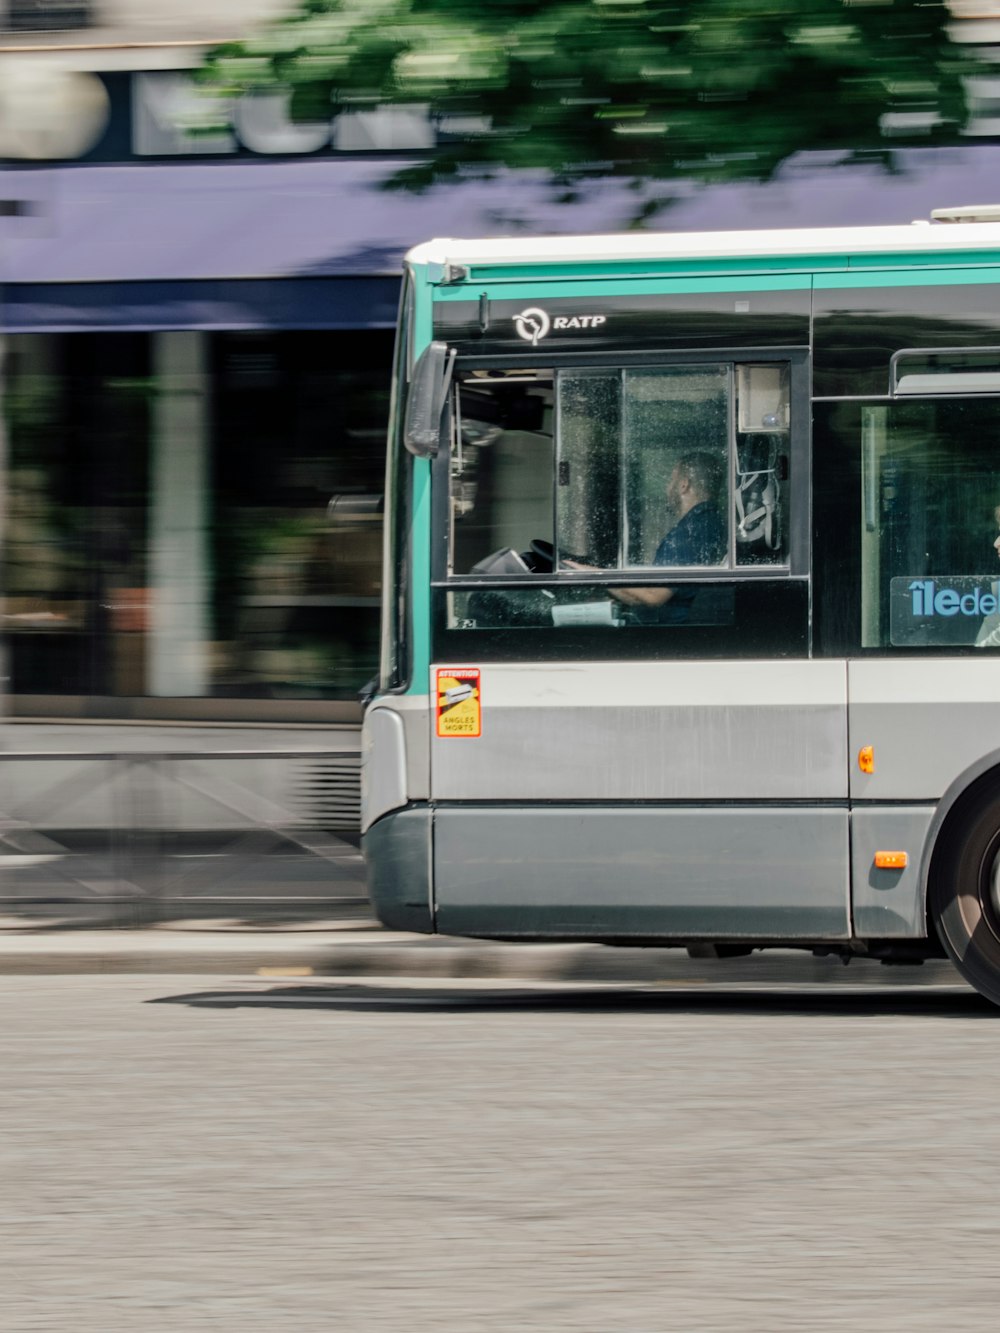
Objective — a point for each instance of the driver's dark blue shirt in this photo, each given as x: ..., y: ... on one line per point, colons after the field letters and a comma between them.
x: 699, y: 538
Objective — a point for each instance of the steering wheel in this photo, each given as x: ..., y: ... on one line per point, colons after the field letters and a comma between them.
x: 545, y: 555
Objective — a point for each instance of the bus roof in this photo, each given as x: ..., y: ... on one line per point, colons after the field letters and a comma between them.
x: 915, y: 237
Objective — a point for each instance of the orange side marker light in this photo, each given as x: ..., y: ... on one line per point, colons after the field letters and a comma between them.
x: 866, y: 759
x: 891, y: 860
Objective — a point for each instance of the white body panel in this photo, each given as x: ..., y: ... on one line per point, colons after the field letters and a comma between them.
x: 656, y: 731
x: 645, y: 246
x: 930, y: 723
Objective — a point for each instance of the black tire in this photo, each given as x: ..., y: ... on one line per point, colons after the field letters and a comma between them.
x: 964, y: 898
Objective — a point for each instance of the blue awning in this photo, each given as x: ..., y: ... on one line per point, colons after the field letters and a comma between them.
x: 317, y: 242
x: 253, y: 303
x: 312, y: 243
x: 258, y: 219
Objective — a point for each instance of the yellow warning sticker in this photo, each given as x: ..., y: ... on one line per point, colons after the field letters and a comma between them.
x: 459, y: 702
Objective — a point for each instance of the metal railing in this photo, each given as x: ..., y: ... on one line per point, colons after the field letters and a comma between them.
x: 135, y: 837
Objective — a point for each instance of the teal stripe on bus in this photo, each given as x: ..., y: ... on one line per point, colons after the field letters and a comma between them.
x: 779, y: 282
x: 539, y: 291
x: 729, y: 266
x: 651, y: 269
x: 928, y: 259
x: 420, y: 527
x: 423, y: 313
x: 923, y: 277
x: 420, y: 592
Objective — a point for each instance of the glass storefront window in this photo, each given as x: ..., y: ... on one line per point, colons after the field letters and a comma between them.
x: 75, y: 562
x: 194, y: 516
x: 299, y: 420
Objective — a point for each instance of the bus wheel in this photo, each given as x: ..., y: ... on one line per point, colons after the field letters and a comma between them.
x: 965, y: 896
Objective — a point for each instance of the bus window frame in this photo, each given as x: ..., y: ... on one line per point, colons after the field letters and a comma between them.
x: 798, y: 565
x: 396, y: 639
x: 836, y: 557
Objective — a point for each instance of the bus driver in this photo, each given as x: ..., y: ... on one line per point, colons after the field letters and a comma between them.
x: 698, y: 536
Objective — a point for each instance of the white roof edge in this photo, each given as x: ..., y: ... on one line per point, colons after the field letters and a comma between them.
x: 708, y: 244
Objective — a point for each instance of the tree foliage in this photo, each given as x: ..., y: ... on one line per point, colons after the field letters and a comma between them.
x: 649, y: 90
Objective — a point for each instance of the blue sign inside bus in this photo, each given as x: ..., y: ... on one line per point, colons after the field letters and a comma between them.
x: 944, y: 610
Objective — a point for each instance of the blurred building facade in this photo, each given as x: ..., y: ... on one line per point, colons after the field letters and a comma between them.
x: 197, y: 333
x: 188, y: 383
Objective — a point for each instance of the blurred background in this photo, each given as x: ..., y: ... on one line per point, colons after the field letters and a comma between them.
x: 203, y: 209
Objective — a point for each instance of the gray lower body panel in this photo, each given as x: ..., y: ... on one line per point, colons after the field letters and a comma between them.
x: 398, y: 859
x: 889, y: 904
x: 763, y: 873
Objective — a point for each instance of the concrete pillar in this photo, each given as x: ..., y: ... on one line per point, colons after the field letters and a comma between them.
x: 178, y: 646
x: 4, y: 481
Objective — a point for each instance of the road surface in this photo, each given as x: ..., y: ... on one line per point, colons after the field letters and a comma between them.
x: 254, y: 1154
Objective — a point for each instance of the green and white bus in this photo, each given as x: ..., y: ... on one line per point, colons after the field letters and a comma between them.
x: 691, y: 625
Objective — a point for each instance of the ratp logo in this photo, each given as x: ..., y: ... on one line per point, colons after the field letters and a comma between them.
x: 532, y: 324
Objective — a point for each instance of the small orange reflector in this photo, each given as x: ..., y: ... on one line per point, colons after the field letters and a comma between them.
x: 866, y: 759
x: 891, y: 860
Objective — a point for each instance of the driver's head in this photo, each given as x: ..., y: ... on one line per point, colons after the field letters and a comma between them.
x: 695, y: 479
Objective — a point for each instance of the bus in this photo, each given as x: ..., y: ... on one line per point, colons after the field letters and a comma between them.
x: 691, y: 617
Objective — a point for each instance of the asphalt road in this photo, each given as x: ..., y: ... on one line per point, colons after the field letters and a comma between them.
x: 200, y: 1154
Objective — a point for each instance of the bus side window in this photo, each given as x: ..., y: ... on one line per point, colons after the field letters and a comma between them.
x: 761, y: 463
x: 759, y: 499
x: 930, y: 575
x: 501, y: 469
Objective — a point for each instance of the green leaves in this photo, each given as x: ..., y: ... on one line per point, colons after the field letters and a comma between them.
x: 646, y: 89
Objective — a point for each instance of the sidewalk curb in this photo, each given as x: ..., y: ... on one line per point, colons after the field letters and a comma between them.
x: 74, y: 953
x: 319, y: 958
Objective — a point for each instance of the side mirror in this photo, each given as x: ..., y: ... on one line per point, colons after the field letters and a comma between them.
x: 426, y: 398
x: 345, y: 511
